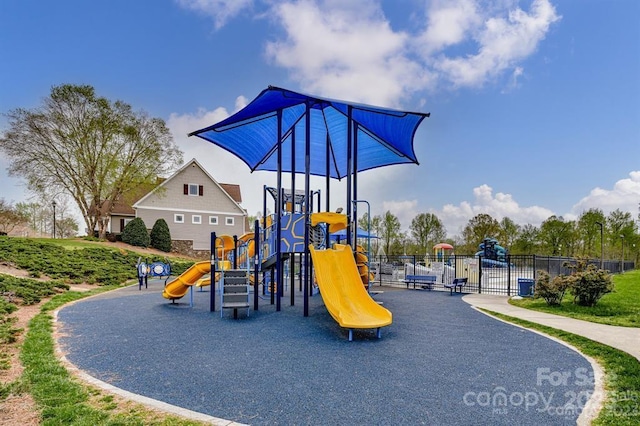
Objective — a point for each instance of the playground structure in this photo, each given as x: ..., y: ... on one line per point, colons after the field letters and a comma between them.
x: 343, y: 280
x: 492, y: 254
x: 288, y: 132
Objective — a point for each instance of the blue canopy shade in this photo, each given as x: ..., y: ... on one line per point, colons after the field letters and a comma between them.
x: 382, y: 136
x: 360, y: 233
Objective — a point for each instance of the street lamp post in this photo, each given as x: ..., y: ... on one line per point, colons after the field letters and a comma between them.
x: 601, y: 244
x: 53, y: 204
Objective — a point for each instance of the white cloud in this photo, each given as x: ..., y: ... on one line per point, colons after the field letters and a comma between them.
x: 448, y: 23
x: 514, y: 80
x: 354, y: 53
x: 497, y: 206
x: 404, y: 210
x: 502, y: 44
x: 350, y: 50
x: 339, y: 50
x: 625, y: 195
x: 220, y: 10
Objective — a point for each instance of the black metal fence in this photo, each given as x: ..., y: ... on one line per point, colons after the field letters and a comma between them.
x: 509, y: 276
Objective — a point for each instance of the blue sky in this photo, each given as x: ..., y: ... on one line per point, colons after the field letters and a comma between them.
x: 535, y: 104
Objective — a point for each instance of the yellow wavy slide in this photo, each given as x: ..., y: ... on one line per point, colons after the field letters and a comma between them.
x: 177, y: 288
x: 344, y: 295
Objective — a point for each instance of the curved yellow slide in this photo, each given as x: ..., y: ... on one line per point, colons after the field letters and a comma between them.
x: 177, y: 288
x: 344, y: 295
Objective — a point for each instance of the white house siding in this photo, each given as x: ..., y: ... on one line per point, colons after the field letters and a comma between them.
x: 171, y: 200
x: 200, y: 234
x: 115, y: 223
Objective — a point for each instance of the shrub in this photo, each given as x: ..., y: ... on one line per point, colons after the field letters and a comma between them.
x: 588, y: 283
x: 161, y: 236
x: 135, y: 233
x: 551, y: 290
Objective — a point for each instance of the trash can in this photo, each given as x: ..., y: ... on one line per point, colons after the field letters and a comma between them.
x: 525, y: 287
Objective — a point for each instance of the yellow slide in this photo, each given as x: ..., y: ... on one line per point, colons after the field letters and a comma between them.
x: 344, y: 295
x: 204, y: 282
x: 251, y: 248
x: 177, y: 288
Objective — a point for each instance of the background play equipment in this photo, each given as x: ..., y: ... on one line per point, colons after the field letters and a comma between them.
x: 441, y: 250
x: 493, y: 255
x: 362, y: 262
x: 341, y: 288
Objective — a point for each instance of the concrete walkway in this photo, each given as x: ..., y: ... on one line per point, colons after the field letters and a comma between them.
x: 626, y: 339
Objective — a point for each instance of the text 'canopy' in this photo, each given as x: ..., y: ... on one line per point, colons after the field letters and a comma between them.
x: 384, y: 136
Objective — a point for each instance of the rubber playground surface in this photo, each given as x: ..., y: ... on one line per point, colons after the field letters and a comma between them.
x: 439, y: 363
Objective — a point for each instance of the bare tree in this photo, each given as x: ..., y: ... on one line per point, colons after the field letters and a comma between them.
x: 10, y: 217
x: 91, y: 148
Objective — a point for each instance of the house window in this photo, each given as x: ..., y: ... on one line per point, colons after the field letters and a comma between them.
x: 193, y: 189
x: 213, y: 220
x: 196, y: 219
x: 229, y: 221
x: 178, y: 218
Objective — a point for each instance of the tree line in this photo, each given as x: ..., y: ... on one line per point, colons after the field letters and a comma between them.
x: 591, y: 235
x: 36, y: 218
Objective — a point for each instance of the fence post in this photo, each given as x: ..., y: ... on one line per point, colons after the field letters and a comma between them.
x: 480, y: 274
x: 508, y: 275
x: 534, y: 267
x: 455, y: 266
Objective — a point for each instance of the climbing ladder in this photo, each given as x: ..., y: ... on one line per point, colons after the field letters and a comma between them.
x: 234, y: 291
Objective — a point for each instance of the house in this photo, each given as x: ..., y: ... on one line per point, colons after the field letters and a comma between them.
x: 123, y: 212
x: 193, y: 204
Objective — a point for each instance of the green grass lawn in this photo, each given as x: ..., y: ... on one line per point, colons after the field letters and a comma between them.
x: 621, y: 307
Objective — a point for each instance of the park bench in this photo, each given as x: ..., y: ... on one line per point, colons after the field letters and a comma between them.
x: 456, y: 284
x: 424, y: 281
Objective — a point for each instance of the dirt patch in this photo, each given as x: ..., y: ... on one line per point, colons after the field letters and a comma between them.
x: 81, y: 287
x: 9, y: 269
x: 18, y: 409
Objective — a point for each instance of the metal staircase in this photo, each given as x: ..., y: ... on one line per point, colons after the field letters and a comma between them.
x: 234, y: 291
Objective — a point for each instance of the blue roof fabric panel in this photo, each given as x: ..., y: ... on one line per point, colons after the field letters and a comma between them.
x: 384, y: 136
